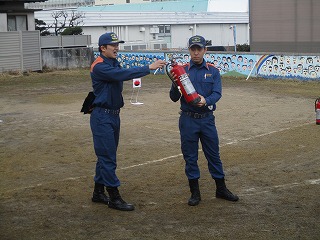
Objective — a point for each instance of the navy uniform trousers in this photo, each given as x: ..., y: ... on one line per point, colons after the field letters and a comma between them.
x: 105, y: 127
x: 193, y: 129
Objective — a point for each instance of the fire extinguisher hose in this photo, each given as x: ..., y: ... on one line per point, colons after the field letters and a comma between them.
x: 169, y: 74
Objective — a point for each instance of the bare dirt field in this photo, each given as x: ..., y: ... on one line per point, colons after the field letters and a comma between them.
x: 269, y: 147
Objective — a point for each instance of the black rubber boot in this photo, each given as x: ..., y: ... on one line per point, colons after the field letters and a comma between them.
x: 98, y: 194
x: 116, y: 201
x: 195, y: 192
x: 223, y: 192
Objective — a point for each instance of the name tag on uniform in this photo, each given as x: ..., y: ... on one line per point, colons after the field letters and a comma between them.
x: 207, y: 75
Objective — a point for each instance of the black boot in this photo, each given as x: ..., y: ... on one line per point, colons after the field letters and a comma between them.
x: 223, y: 192
x: 195, y: 192
x: 116, y: 201
x: 98, y: 194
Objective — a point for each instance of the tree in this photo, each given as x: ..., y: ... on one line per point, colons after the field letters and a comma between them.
x: 243, y: 47
x: 72, y: 31
x: 61, y: 21
x: 42, y: 27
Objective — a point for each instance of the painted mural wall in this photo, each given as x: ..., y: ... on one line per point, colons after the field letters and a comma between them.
x: 296, y: 67
x: 304, y: 67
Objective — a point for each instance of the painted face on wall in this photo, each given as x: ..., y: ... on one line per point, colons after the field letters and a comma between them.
x: 288, y: 69
x: 301, y: 60
x: 310, y: 68
x: 281, y: 58
x: 313, y: 74
x: 226, y: 66
x: 274, y: 60
x: 288, y: 60
x: 309, y: 60
x: 294, y: 60
x: 264, y: 68
x: 281, y: 65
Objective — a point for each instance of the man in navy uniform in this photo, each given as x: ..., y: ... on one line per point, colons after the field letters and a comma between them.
x: 197, y: 122
x: 107, y: 81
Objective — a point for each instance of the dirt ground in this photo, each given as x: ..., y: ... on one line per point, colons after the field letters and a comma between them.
x: 269, y: 148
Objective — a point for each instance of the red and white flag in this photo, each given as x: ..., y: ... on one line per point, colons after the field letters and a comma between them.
x: 136, y: 82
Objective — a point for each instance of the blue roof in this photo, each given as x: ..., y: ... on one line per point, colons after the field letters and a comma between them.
x: 174, y: 6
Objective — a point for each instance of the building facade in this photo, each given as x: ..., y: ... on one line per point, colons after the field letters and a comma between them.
x: 165, y: 24
x: 15, y: 17
x: 58, y: 4
x: 285, y: 26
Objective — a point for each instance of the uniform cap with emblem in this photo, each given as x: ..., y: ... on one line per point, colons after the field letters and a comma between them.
x: 197, y: 40
x: 109, y: 38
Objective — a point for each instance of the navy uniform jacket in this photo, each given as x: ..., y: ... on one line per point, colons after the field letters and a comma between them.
x: 207, y: 82
x: 107, y: 81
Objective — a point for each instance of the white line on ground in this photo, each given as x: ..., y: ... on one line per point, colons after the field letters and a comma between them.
x: 307, y: 182
x: 256, y: 191
x: 264, y: 134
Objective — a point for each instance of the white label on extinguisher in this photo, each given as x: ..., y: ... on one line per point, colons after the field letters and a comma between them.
x: 187, y: 85
x: 318, y: 114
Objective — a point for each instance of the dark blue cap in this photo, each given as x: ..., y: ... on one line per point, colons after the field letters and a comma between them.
x: 197, y: 40
x: 109, y: 38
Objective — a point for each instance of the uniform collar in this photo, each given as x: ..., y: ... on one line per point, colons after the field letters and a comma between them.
x: 203, y: 64
x: 111, y: 61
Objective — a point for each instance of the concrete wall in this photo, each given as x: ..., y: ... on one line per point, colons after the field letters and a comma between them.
x: 303, y: 67
x: 67, y: 58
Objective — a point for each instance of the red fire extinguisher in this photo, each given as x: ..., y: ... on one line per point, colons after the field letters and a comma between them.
x: 183, y: 81
x: 317, y: 108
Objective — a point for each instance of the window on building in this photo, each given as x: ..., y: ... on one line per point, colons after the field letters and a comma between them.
x: 17, y: 23
x: 164, y: 29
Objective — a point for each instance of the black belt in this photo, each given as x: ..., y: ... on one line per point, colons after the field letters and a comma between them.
x: 196, y: 115
x: 112, y: 111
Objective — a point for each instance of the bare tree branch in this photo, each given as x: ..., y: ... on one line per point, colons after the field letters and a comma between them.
x: 63, y: 20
